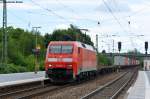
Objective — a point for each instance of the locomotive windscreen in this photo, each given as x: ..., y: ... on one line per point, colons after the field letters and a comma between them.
x: 61, y: 49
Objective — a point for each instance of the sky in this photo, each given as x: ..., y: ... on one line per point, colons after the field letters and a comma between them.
x: 113, y: 15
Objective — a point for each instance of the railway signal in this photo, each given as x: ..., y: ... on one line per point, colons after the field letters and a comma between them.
x: 146, y: 47
x: 37, y: 48
x: 119, y: 46
x: 36, y: 52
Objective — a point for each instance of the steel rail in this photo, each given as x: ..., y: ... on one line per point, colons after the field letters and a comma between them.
x: 110, y: 84
x: 39, y: 84
x: 42, y: 91
x: 19, y: 91
x: 102, y: 87
x: 120, y: 89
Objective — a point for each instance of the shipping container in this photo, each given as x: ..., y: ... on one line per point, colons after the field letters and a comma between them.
x: 125, y: 61
x: 146, y: 64
x: 119, y: 60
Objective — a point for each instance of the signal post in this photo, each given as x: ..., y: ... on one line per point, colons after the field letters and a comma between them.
x: 36, y: 53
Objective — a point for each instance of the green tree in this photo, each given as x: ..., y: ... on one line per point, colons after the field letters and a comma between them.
x: 103, y: 60
x: 22, y: 42
x: 20, y: 46
x: 70, y: 34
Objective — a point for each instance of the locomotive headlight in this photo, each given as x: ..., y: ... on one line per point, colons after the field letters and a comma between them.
x: 50, y: 65
x: 69, y: 66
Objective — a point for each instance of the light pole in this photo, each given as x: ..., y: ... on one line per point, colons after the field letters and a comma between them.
x: 36, y: 33
x: 37, y: 49
x: 97, y: 42
x: 112, y: 41
x: 113, y: 49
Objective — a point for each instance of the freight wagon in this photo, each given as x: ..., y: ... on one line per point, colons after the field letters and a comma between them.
x: 125, y: 61
x: 146, y: 63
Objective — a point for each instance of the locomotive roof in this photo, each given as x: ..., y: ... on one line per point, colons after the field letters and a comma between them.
x: 82, y: 45
x: 89, y: 47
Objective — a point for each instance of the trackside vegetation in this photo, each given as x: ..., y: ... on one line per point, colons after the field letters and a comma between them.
x: 22, y: 42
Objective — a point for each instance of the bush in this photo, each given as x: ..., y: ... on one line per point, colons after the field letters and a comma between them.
x: 42, y: 65
x: 11, y: 68
x: 103, y: 60
x: 30, y: 61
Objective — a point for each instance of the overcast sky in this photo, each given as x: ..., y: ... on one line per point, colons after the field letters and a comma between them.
x: 113, y: 15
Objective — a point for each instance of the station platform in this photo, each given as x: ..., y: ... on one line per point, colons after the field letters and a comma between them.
x: 141, y: 88
x: 19, y: 78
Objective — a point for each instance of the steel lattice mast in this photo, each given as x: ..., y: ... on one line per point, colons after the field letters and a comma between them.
x: 4, y: 34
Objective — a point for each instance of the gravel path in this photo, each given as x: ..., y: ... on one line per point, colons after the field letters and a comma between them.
x: 77, y: 91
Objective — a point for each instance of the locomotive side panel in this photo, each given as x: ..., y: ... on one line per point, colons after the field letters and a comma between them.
x: 88, y: 60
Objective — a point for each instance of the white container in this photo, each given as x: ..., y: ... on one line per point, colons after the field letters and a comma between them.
x: 146, y: 64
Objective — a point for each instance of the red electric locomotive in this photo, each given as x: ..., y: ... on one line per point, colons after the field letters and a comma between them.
x: 70, y: 60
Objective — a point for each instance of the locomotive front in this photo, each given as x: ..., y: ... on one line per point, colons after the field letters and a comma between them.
x: 59, y: 62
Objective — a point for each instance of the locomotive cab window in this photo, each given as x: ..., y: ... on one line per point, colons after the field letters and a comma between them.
x: 58, y: 49
x: 83, y: 45
x: 55, y: 49
x: 67, y: 49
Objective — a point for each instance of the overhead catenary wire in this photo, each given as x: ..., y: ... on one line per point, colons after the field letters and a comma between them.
x: 118, y: 9
x: 28, y: 12
x: 67, y: 7
x: 131, y: 39
x: 37, y: 13
x: 61, y: 17
x: 109, y: 9
x: 51, y: 11
x: 17, y: 17
x: 92, y: 20
x: 126, y: 16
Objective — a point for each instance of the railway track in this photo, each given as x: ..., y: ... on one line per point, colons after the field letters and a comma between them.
x: 49, y: 89
x: 112, y: 89
x: 30, y: 92
x: 13, y: 92
x: 42, y: 88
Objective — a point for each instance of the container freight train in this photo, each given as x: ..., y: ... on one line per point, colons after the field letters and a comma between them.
x: 70, y: 60
x: 125, y: 61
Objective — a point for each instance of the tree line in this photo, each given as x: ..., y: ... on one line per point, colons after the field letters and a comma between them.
x: 22, y: 42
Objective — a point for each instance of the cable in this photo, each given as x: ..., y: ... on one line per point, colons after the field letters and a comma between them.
x: 17, y: 17
x: 109, y: 9
x: 49, y: 10
x: 66, y: 6
x: 74, y: 12
x: 132, y: 14
x: 20, y: 18
x: 61, y: 17
x: 131, y: 39
x: 30, y: 12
